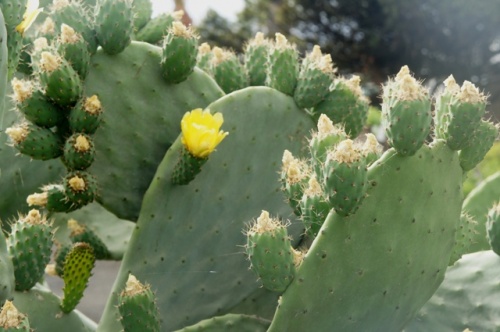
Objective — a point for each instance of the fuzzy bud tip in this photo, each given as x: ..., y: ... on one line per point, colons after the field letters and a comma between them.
x: 92, y: 105
x: 133, y: 286
x: 204, y: 48
x: 345, y: 152
x: 22, y: 89
x: 469, y: 93
x: 265, y: 223
x: 69, y: 35
x: 49, y: 62
x: 18, y: 133
x: 48, y: 27
x: 75, y: 227
x: 82, y: 144
x: 180, y: 30
x: 37, y: 199
x: 10, y: 317
x: 77, y: 183
x: 313, y: 188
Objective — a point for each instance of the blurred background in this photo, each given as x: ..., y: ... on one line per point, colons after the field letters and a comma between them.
x: 371, y: 38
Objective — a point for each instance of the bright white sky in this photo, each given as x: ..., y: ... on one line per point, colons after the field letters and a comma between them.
x: 198, y: 8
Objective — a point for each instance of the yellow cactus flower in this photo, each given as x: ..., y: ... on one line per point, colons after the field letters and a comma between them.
x: 201, y: 132
x: 29, y: 16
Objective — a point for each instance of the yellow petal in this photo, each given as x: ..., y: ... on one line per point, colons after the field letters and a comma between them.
x: 29, y: 16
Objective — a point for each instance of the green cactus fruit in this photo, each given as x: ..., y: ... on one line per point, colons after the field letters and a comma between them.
x: 204, y: 58
x: 345, y: 104
x: 464, y: 237
x: 80, y: 188
x: 59, y: 80
x: 40, y: 45
x: 493, y: 228
x: 180, y: 49
x: 406, y: 112
x: 79, y: 152
x: 464, y: 111
x: 480, y: 142
x: 442, y: 105
x: 32, y: 102
x: 73, y: 48
x: 156, y: 29
x: 270, y: 252
x: 142, y: 9
x: 314, y: 79
x: 54, y: 199
x: 36, y: 142
x: 230, y: 323
x: 314, y: 207
x: 228, y: 71
x: 294, y: 176
x: 137, y: 307
x: 86, y: 116
x: 187, y: 168
x: 60, y: 259
x: 255, y: 56
x: 283, y: 66
x: 345, y: 177
x: 11, y: 320
x: 74, y: 14
x: 78, y: 267
x: 327, y: 136
x: 81, y: 233
x: 114, y: 25
x: 30, y: 245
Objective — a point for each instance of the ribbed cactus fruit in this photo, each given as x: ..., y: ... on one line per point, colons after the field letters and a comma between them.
x: 294, y: 176
x: 114, y: 24
x: 480, y: 142
x: 30, y: 246
x: 406, y: 112
x: 59, y: 80
x: 270, y: 252
x: 314, y: 207
x: 345, y: 104
x: 230, y: 323
x: 156, y: 29
x: 354, y: 290
x: 36, y: 142
x: 142, y: 9
x: 78, y: 267
x: 467, y: 298
x: 344, y: 179
x: 326, y: 136
x: 74, y: 14
x: 315, y: 78
x: 80, y: 187
x: 180, y: 50
x: 54, y: 199
x: 255, y: 56
x: 204, y: 58
x: 34, y: 105
x: 60, y: 259
x: 11, y: 320
x: 282, y: 66
x: 493, y: 228
x: 227, y: 70
x: 79, y: 152
x: 137, y: 307
x: 463, y: 109
x: 250, y: 156
x: 81, y: 233
x: 86, y: 115
x: 73, y: 48
x: 464, y: 238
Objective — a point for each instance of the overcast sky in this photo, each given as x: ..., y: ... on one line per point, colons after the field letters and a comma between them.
x: 198, y: 8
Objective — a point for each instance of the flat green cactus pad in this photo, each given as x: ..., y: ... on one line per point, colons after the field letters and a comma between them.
x: 378, y: 266
x: 467, y: 298
x: 114, y: 232
x: 141, y: 119
x: 477, y: 204
x: 44, y: 313
x: 230, y: 323
x: 192, y: 254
